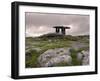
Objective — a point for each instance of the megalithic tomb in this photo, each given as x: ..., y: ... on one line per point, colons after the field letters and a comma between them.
x: 61, y: 29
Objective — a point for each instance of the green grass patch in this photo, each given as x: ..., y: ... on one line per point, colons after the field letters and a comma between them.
x: 75, y: 62
x: 32, y: 62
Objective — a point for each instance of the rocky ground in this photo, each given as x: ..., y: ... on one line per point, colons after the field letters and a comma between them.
x: 62, y: 57
x: 47, y: 52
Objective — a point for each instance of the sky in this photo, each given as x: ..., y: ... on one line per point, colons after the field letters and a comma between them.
x: 42, y: 23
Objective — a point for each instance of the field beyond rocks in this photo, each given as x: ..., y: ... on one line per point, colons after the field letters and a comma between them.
x: 51, y: 50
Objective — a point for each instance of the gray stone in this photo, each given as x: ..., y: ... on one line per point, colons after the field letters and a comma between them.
x: 65, y: 51
x: 54, y: 56
x: 53, y: 61
x: 85, y: 53
x: 77, y: 45
x: 85, y: 60
x: 79, y: 56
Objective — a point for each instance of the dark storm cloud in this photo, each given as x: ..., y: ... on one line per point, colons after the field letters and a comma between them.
x: 41, y: 23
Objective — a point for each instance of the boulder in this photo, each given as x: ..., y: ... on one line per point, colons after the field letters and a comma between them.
x: 85, y: 53
x: 79, y: 56
x: 85, y: 60
x: 53, y: 61
x: 52, y: 57
x: 83, y: 57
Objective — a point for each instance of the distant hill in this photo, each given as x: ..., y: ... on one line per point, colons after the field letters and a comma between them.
x: 58, y: 36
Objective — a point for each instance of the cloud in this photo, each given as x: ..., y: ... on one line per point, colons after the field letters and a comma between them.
x: 42, y: 23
